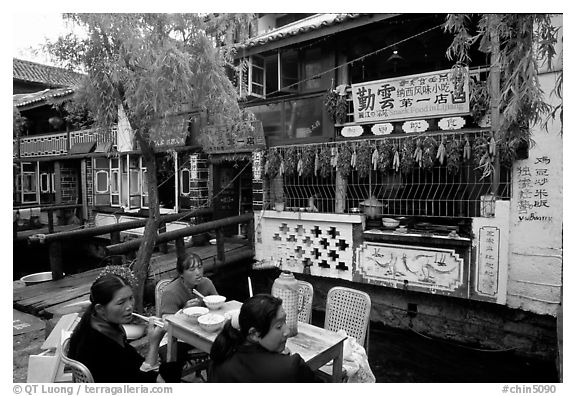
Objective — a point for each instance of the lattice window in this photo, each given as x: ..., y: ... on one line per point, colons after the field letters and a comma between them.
x: 439, y: 191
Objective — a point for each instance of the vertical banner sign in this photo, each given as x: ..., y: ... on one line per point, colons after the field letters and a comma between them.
x: 257, y: 165
x: 488, y: 257
x: 194, y: 167
x: 437, y: 93
x: 533, y: 185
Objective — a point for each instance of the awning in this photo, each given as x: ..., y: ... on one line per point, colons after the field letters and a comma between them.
x: 82, y: 148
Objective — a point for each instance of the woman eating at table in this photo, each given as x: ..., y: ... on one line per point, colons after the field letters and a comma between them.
x: 251, y: 348
x: 179, y: 294
x: 99, y: 341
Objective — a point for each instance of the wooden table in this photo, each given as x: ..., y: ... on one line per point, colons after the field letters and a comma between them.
x: 315, y: 345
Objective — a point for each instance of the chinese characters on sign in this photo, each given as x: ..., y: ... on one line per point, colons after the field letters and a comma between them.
x: 257, y: 165
x: 229, y: 138
x: 415, y: 96
x: 533, y: 199
x: 487, y: 268
x: 194, y: 167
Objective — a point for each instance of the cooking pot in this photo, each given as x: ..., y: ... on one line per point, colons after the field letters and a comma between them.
x: 371, y: 207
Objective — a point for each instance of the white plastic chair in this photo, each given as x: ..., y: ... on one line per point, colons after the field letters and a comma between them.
x: 306, y: 295
x: 349, y: 309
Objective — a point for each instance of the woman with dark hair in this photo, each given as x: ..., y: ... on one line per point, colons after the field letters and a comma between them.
x: 179, y: 294
x: 99, y: 341
x: 251, y: 350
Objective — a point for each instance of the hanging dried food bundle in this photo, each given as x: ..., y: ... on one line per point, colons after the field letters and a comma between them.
x: 307, y: 157
x: 273, y: 160
x: 407, y: 155
x: 324, y: 157
x: 363, y: 158
x: 290, y: 161
x: 385, y: 155
x: 429, y: 146
x: 482, y: 157
x: 344, y: 157
x: 454, y: 153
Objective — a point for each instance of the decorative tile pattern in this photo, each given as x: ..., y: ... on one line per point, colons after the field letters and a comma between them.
x: 304, y: 246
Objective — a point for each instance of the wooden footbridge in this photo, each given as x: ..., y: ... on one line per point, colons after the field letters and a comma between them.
x: 59, y: 296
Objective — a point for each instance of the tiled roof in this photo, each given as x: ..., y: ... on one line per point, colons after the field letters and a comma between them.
x: 44, y: 74
x: 30, y: 98
x: 314, y: 22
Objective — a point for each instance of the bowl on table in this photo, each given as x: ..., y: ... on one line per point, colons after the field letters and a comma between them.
x: 193, y: 313
x: 390, y: 223
x: 214, y: 302
x: 211, y: 322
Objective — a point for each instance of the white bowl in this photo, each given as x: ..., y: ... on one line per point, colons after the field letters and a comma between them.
x: 211, y: 322
x: 193, y: 313
x: 38, y: 277
x: 214, y: 302
x: 390, y: 223
x: 134, y: 331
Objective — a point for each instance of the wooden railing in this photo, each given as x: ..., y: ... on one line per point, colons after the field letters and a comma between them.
x: 59, y: 143
x: 56, y: 241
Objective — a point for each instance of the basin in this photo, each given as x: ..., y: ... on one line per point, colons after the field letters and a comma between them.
x: 38, y: 277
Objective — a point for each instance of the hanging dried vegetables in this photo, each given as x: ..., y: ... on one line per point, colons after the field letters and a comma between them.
x: 272, y: 165
x: 467, y: 151
x: 407, y: 155
x: 324, y: 165
x: 290, y: 161
x: 396, y: 157
x: 344, y: 157
x: 307, y: 157
x: 441, y: 152
x: 417, y: 156
x: 454, y: 154
x: 429, y: 146
x: 385, y: 155
x: 363, y: 158
x: 482, y: 156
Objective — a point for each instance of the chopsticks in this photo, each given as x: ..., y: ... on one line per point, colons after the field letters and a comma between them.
x: 157, y: 321
x: 198, y: 293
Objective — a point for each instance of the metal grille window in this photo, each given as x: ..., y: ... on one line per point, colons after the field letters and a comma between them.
x: 437, y: 191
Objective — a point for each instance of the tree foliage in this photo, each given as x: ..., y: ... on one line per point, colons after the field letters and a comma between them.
x: 525, y: 41
x: 153, y: 66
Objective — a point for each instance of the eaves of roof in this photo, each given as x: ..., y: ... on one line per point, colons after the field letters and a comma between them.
x: 309, y: 24
x: 25, y: 100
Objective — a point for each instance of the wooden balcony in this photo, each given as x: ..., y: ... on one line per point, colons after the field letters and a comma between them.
x: 54, y: 144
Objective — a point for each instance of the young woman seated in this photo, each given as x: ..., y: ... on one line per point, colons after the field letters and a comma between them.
x: 99, y: 341
x: 251, y: 348
x: 178, y: 294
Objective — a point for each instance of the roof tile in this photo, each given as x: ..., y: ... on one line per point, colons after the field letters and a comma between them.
x: 49, y: 75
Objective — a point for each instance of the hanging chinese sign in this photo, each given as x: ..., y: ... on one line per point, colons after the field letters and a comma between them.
x: 437, y: 93
x: 244, y: 136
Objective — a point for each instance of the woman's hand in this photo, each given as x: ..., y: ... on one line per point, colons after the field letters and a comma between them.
x: 194, y: 302
x: 155, y: 333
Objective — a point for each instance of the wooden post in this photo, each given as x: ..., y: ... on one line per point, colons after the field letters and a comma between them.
x: 341, y: 186
x: 50, y: 221
x: 180, y: 247
x: 115, y: 238
x: 250, y: 233
x: 220, y: 255
x: 56, y: 263
x: 163, y: 246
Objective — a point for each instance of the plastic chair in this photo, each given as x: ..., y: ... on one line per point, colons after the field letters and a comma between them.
x: 160, y: 286
x: 197, y: 360
x: 306, y: 292
x: 349, y: 309
x: 80, y: 372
